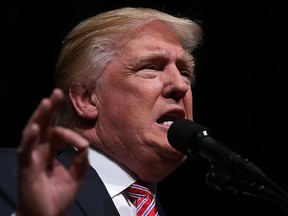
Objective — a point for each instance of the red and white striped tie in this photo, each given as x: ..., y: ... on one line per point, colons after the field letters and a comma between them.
x: 142, y: 198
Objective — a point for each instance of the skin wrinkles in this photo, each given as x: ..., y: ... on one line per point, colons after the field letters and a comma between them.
x: 155, y: 90
x: 157, y: 63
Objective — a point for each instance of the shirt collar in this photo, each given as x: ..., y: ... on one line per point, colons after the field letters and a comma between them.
x: 114, y: 176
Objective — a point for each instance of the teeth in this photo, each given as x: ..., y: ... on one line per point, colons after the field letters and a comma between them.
x: 167, y: 123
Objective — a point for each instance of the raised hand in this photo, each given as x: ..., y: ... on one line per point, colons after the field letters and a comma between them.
x: 46, y: 187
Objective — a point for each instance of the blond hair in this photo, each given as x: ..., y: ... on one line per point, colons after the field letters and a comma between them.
x: 91, y: 45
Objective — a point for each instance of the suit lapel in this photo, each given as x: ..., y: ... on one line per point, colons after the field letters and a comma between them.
x: 93, y: 198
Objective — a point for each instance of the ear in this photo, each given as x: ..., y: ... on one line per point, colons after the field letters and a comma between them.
x: 84, y: 102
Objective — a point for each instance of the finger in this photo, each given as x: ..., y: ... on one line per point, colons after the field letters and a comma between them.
x: 79, y: 165
x: 30, y: 136
x: 45, y: 113
x: 46, y: 107
x: 38, y: 127
x: 61, y: 137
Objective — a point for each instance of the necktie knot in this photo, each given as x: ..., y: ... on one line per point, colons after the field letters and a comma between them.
x: 143, y: 199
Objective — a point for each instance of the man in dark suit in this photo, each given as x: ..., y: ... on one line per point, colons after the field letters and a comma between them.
x: 92, y: 186
x: 122, y: 78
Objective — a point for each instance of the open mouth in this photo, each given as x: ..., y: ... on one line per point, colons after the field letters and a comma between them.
x: 168, y: 118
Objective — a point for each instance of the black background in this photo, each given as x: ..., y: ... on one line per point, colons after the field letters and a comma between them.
x: 240, y: 91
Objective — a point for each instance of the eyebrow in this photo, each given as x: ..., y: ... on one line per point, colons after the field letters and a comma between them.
x: 186, y: 57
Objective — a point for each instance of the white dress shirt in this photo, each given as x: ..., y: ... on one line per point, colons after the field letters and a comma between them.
x: 116, y: 180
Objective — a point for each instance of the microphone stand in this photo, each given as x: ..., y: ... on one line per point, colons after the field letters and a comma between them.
x: 223, y: 179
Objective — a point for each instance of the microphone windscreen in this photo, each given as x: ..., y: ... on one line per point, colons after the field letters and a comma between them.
x: 181, y: 132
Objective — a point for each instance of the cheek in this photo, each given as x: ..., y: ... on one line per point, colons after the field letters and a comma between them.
x: 121, y: 106
x: 188, y: 104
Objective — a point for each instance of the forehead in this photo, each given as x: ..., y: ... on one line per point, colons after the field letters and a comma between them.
x: 153, y: 37
x: 156, y: 28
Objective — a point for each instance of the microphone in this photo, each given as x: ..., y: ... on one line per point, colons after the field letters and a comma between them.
x: 193, y: 139
x: 229, y: 170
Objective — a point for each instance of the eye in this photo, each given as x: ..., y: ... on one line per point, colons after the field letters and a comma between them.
x: 151, y: 67
x: 186, y: 74
x: 186, y: 69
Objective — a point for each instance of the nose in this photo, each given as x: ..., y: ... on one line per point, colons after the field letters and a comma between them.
x: 175, y: 86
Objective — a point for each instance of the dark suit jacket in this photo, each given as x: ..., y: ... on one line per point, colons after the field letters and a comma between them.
x: 92, y: 200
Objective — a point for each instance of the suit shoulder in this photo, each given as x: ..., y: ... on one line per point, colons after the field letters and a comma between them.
x: 8, y: 153
x: 8, y: 161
